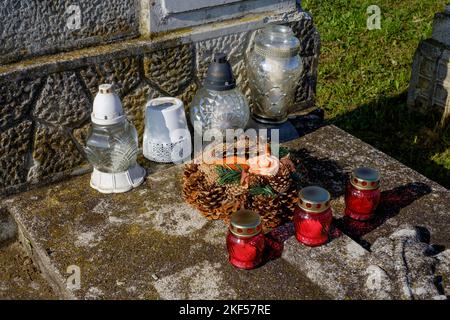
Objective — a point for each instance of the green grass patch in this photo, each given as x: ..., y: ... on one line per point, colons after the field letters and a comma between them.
x: 364, y: 77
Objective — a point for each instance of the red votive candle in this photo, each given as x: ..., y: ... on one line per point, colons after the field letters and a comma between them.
x: 313, y: 216
x: 245, y: 242
x: 362, y: 193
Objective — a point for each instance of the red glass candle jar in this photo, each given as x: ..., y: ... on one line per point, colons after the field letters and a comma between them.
x: 362, y: 193
x: 245, y: 242
x: 313, y: 216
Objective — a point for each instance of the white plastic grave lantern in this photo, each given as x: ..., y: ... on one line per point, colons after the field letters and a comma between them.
x: 112, y: 145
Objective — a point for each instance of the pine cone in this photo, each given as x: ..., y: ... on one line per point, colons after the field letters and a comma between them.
x: 256, y: 180
x: 189, y: 169
x: 234, y: 190
x: 210, y: 173
x: 269, y: 208
x: 288, y: 201
x: 209, y: 201
x: 282, y: 180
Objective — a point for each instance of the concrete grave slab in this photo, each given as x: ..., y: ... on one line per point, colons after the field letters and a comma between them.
x: 148, y: 244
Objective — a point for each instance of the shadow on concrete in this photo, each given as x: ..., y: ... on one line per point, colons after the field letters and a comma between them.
x: 411, y: 137
x: 323, y: 172
x: 392, y: 201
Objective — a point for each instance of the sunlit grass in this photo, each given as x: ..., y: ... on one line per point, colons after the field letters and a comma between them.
x: 364, y: 77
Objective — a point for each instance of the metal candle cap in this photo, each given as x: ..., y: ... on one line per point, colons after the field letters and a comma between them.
x: 365, y: 178
x: 314, y: 199
x: 245, y: 223
x: 219, y: 76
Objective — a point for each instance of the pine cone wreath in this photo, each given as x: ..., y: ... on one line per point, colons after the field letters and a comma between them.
x: 218, y: 190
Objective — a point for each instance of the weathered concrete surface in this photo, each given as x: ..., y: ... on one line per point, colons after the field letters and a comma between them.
x: 149, y: 244
x: 19, y: 277
x: 45, y: 101
x: 36, y: 27
x: 165, y: 15
x: 146, y: 244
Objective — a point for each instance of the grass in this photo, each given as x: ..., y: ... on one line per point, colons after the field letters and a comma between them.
x: 364, y: 77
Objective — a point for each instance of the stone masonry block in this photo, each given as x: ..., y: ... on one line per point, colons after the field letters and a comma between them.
x: 53, y: 152
x: 123, y: 73
x: 14, y: 144
x: 309, y: 38
x: 62, y: 100
x: 80, y: 134
x: 15, y: 99
x: 36, y: 27
x: 233, y: 45
x: 170, y: 69
x: 188, y: 94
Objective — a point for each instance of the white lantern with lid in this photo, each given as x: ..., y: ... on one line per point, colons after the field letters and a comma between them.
x: 112, y: 145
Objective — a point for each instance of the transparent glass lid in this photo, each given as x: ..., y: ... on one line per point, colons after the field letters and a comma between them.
x: 277, y: 40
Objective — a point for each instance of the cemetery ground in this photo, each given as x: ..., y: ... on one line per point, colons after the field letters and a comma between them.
x: 364, y: 76
x: 362, y: 86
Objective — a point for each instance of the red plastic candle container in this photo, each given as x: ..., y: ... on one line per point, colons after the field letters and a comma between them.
x: 245, y: 242
x: 313, y: 216
x: 362, y: 194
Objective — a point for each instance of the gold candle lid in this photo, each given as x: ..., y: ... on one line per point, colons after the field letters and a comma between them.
x: 245, y: 223
x: 365, y: 178
x: 314, y: 199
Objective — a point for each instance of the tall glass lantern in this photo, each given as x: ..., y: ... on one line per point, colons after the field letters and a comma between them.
x: 274, y: 68
x: 219, y: 104
x: 112, y: 145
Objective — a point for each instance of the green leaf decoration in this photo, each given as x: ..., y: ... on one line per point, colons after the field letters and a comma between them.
x: 262, y: 190
x: 283, y: 152
x: 228, y: 175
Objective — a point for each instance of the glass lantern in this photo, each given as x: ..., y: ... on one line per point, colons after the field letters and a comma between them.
x: 112, y: 145
x: 274, y: 68
x: 219, y: 104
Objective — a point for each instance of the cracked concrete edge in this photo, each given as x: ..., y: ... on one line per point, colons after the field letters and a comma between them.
x: 40, y: 258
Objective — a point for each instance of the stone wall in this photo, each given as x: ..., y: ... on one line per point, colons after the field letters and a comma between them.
x: 35, y: 27
x: 45, y: 102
